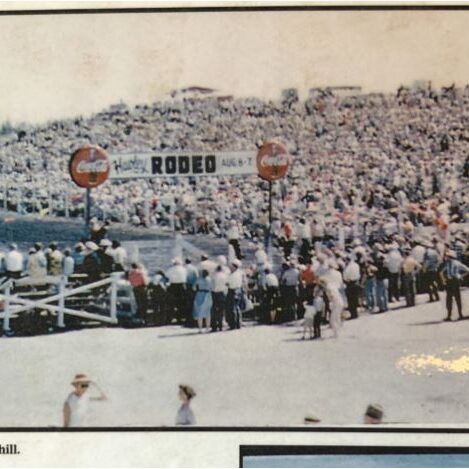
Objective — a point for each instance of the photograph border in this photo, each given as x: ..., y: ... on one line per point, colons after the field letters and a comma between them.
x: 248, y: 450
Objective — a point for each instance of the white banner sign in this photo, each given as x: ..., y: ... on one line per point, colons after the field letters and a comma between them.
x: 148, y: 165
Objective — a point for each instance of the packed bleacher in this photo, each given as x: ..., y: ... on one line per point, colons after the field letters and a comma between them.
x: 377, y: 156
x: 372, y: 210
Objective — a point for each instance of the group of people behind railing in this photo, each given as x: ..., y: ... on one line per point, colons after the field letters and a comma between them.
x: 317, y: 281
x: 88, y: 259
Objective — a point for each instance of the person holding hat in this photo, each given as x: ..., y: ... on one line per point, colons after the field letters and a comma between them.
x: 75, y: 410
x: 185, y: 415
x: 451, y: 271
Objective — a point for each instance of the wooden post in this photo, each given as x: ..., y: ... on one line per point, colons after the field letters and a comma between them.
x: 114, y: 279
x: 269, y: 232
x: 6, y: 309
x: 88, y: 211
x: 62, y: 286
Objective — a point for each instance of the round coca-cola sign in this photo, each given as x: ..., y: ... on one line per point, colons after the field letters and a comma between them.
x: 89, y: 166
x: 272, y: 161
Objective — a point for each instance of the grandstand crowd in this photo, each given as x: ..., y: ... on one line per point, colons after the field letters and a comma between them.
x: 373, y: 207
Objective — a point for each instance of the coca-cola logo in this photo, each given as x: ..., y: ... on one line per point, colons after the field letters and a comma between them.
x: 89, y: 166
x: 273, y: 161
x: 99, y: 166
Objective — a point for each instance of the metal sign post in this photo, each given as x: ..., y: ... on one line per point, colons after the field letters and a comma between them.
x: 87, y: 209
x: 89, y: 168
x: 273, y: 162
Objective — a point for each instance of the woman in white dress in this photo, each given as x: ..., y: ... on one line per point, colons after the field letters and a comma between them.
x: 75, y: 409
x: 337, y: 305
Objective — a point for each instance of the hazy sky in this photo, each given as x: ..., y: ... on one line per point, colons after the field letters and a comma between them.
x: 57, y: 66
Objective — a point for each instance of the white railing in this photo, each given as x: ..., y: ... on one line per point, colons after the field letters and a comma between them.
x: 15, y: 304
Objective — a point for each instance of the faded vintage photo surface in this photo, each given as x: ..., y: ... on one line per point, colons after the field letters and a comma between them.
x: 234, y: 217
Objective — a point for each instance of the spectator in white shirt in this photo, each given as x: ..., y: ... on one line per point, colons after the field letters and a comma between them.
x: 270, y: 295
x: 119, y: 255
x: 219, y: 292
x: 235, y: 295
x: 68, y: 263
x: 233, y: 235
x: 352, y: 286
x: 177, y: 301
x: 394, y: 264
x: 206, y: 264
x: 14, y: 262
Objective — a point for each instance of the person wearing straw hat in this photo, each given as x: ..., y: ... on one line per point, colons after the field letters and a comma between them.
x: 75, y: 408
x: 185, y: 415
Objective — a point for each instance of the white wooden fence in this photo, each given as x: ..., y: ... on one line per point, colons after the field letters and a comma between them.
x: 14, y: 304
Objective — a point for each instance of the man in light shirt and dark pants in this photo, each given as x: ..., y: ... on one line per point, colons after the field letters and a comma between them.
x: 452, y: 270
x: 352, y: 286
x: 219, y: 291
x: 235, y: 294
x: 177, y: 301
x: 14, y: 262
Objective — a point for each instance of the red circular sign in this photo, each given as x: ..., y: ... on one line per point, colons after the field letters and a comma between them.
x: 272, y: 161
x: 89, y: 166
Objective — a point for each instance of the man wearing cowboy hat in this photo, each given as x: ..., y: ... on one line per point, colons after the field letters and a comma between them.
x: 452, y: 270
x: 91, y: 262
x: 75, y: 408
x: 106, y: 261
